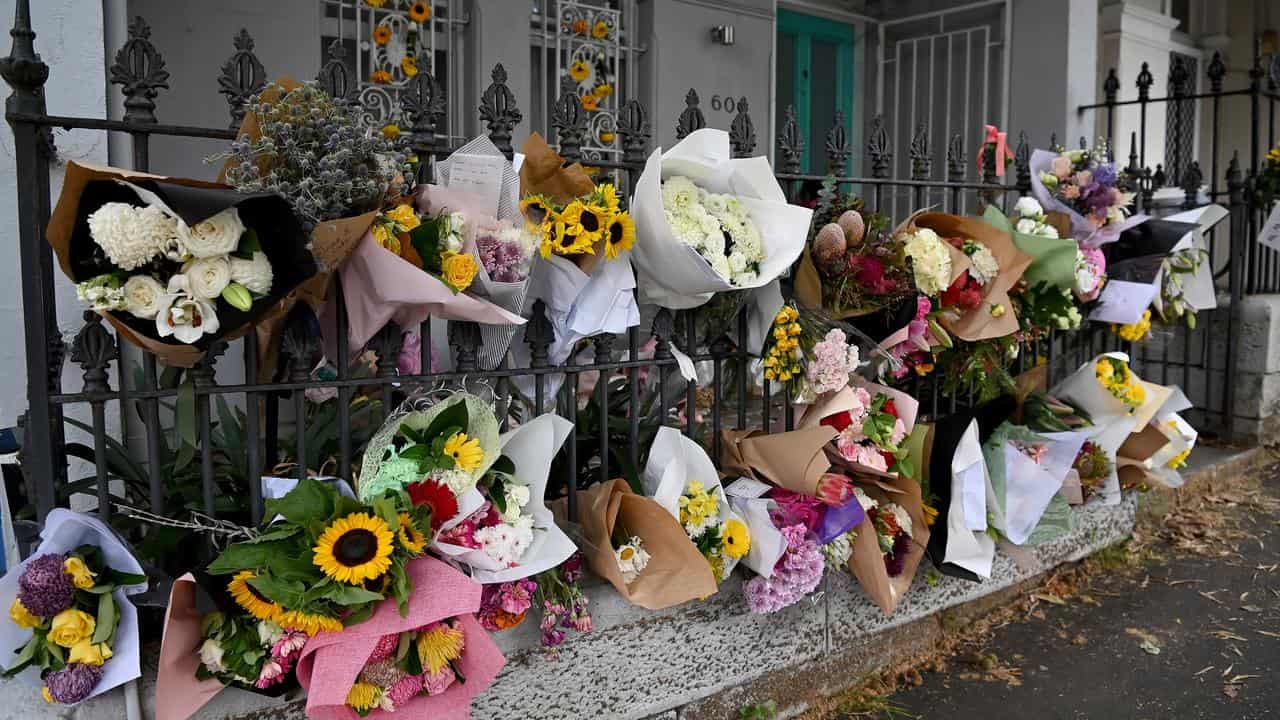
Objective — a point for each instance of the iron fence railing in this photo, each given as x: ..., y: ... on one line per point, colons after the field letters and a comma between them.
x: 609, y: 427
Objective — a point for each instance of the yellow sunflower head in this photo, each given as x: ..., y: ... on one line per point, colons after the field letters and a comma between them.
x: 585, y: 221
x: 410, y: 537
x: 250, y: 599
x: 309, y: 623
x: 607, y: 196
x: 606, y: 137
x: 382, y: 34
x: 409, y: 64
x: 380, y: 77
x: 355, y: 548
x: 364, y: 697
x: 391, y: 131
x: 603, y: 90
x: 579, y: 70
x: 439, y: 645
x: 420, y: 12
x: 538, y: 212
x: 600, y: 30
x: 565, y: 240
x: 590, y: 103
x: 620, y: 235
x: 466, y: 452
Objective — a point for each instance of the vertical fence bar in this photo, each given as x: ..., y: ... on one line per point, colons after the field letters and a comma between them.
x: 744, y: 362
x: 691, y: 386
x: 203, y: 378
x: 604, y: 355
x: 94, y: 350
x: 633, y: 390
x: 252, y: 420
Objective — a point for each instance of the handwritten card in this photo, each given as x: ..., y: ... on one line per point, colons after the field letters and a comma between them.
x: 1122, y: 302
x: 478, y: 174
x: 745, y: 487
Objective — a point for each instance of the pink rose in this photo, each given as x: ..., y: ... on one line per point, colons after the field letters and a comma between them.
x: 1062, y: 167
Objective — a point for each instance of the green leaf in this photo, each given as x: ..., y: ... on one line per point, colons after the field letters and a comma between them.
x: 359, y: 615
x: 249, y: 244
x: 401, y: 586
x: 25, y: 656
x: 309, y: 501
x: 350, y: 595
x: 426, y: 240
x: 412, y: 662
x: 454, y: 416
x: 285, y: 592
x: 280, y: 532
x: 503, y: 465
x: 107, y: 617
x: 241, y: 556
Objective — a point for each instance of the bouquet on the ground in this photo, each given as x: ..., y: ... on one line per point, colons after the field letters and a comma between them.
x: 556, y: 593
x: 956, y: 477
x: 680, y: 476
x: 1026, y: 471
x: 72, y: 630
x: 503, y: 531
x: 1085, y: 187
x: 1044, y: 297
x: 1154, y: 452
x: 430, y: 660
x: 174, y: 264
x: 888, y: 545
x: 796, y: 573
x: 853, y: 263
x: 708, y: 223
x: 795, y: 461
x: 639, y: 547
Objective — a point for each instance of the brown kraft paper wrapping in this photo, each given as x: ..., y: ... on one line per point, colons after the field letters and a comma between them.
x: 676, y: 572
x: 794, y: 460
x: 544, y: 172
x: 867, y: 562
x: 1133, y: 454
x: 980, y: 324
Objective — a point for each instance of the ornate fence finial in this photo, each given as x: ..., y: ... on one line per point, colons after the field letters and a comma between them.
x: 838, y: 151
x: 1111, y: 86
x: 422, y: 102
x: 1145, y: 81
x: 664, y: 327
x: 1178, y: 77
x: 570, y: 121
x: 603, y: 345
x: 139, y: 70
x: 791, y: 142
x: 633, y: 125
x: 742, y: 132
x: 499, y: 111
x: 1022, y: 164
x: 878, y: 148
x: 242, y: 77
x: 300, y: 344
x: 334, y: 77
x: 955, y: 159
x: 464, y: 338
x: 921, y: 158
x: 23, y: 69
x: 1217, y: 71
x: 94, y: 349
x: 538, y: 334
x: 691, y: 117
x: 386, y: 345
x: 1192, y: 177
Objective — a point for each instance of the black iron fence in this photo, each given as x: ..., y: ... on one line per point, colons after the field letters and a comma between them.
x: 245, y: 430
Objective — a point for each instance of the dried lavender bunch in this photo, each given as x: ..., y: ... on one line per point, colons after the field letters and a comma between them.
x: 318, y: 154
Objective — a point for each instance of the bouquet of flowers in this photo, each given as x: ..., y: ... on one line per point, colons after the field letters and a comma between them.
x: 1086, y: 188
x: 795, y: 574
x: 590, y: 224
x: 1026, y: 473
x: 72, y: 630
x: 1044, y: 296
x: 888, y: 545
x: 242, y: 650
x: 1092, y: 467
x: 853, y: 264
x: 680, y: 476
x: 708, y: 223
x: 174, y: 264
x: 1114, y: 376
x: 430, y: 660
x: 892, y: 526
x: 872, y: 422
x: 795, y: 461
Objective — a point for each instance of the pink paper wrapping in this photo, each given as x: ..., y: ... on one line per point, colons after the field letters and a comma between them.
x: 380, y: 286
x: 179, y: 695
x: 331, y: 662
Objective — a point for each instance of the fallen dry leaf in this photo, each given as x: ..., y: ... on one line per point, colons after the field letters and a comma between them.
x: 1203, y: 671
x: 1049, y: 598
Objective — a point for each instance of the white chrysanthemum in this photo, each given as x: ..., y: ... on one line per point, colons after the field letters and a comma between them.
x: 687, y: 229
x: 456, y: 480
x: 713, y: 243
x: 679, y: 194
x: 983, y: 265
x: 1028, y: 207
x: 864, y: 499
x: 217, y: 235
x: 142, y: 296
x: 632, y: 559
x: 715, y: 203
x: 737, y: 262
x: 900, y: 514
x: 930, y: 261
x: 720, y: 264
x: 208, y: 277
x: 255, y: 275
x: 130, y: 236
x: 837, y: 551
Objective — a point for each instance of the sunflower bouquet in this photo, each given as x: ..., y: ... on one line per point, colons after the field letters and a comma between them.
x: 327, y: 559
x: 586, y: 225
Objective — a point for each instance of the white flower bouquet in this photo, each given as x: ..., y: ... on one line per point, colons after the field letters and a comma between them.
x: 708, y: 223
x: 175, y: 264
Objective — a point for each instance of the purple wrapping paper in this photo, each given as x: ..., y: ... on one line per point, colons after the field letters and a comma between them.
x: 839, y: 519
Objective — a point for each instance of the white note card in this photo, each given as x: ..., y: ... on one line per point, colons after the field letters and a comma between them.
x: 481, y: 175
x: 1122, y: 302
x: 745, y: 487
x: 1270, y: 235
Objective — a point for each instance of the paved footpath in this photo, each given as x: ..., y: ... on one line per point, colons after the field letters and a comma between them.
x: 1183, y: 636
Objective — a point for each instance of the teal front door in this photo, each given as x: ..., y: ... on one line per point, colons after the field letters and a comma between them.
x: 815, y: 75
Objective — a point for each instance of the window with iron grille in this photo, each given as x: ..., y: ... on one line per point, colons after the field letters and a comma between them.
x: 1180, y: 119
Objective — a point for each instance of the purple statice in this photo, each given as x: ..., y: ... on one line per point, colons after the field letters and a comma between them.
x: 44, y: 588
x: 73, y: 683
x: 897, y: 558
x: 502, y: 252
x: 796, y: 575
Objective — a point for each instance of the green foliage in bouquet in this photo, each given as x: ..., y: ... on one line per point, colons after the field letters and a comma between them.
x: 979, y: 369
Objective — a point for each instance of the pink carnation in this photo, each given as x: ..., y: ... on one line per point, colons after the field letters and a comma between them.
x: 439, y: 682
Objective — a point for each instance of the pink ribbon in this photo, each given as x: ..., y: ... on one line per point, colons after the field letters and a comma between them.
x: 1001, y: 141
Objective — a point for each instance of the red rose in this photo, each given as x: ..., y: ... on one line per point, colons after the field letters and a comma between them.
x: 839, y: 421
x: 890, y: 408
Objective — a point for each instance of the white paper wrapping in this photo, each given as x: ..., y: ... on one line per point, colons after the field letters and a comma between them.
x: 1197, y: 288
x: 63, y: 532
x: 968, y: 544
x: 1029, y: 486
x: 674, y: 275
x: 767, y: 542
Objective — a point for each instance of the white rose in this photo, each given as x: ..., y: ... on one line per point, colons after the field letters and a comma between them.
x: 183, y: 315
x: 213, y: 236
x: 1026, y: 226
x: 517, y: 496
x: 208, y: 277
x: 255, y: 274
x: 1028, y: 207
x: 142, y: 295
x: 211, y: 655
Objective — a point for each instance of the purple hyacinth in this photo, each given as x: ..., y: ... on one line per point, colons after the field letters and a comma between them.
x: 73, y: 683
x: 1106, y: 174
x: 45, y: 589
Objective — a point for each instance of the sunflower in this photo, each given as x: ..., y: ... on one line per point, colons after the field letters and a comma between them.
x: 309, y: 623
x: 590, y: 103
x: 354, y: 548
x: 466, y: 452
x: 380, y: 77
x: 411, y: 539
x: 438, y: 645
x: 364, y: 697
x: 603, y: 90
x: 608, y: 195
x: 538, y: 212
x: 409, y: 64
x: 736, y: 539
x: 585, y: 221
x: 382, y: 35
x: 566, y: 242
x: 606, y: 137
x: 620, y: 234
x: 579, y: 70
x: 580, y: 26
x: 250, y: 599
x: 600, y: 30
x: 420, y: 12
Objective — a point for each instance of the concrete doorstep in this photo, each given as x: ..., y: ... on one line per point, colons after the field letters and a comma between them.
x: 709, y: 659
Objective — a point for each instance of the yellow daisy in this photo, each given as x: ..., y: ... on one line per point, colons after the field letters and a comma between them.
x: 466, y: 452
x: 250, y: 599
x: 439, y: 645
x: 736, y: 539
x: 355, y: 548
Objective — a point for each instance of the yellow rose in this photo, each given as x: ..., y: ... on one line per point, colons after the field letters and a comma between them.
x: 48, y: 697
x: 71, y: 627
x: 21, y: 616
x: 384, y: 237
x: 80, y: 573
x: 459, y: 269
x: 90, y: 654
x: 404, y: 216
